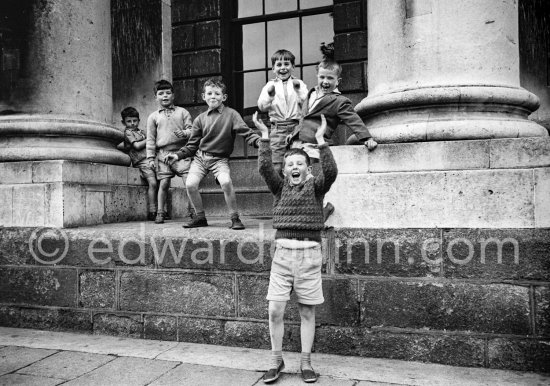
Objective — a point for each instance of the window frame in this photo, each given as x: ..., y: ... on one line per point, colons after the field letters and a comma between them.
x: 237, y: 73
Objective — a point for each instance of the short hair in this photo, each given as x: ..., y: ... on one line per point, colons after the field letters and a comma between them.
x: 163, y: 84
x: 330, y: 65
x: 297, y: 151
x: 283, y: 55
x: 129, y: 112
x: 212, y: 82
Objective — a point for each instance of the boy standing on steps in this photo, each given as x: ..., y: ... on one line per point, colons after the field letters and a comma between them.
x: 211, y: 143
x: 298, y: 219
x: 134, y: 140
x: 167, y: 131
x: 282, y: 97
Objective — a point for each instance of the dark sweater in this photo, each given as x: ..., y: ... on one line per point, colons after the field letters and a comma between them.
x: 298, y: 209
x: 214, y: 132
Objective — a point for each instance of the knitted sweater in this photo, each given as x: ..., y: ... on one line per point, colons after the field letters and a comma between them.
x: 298, y: 209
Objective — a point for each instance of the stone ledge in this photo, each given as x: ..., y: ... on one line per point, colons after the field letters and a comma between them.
x: 444, y: 155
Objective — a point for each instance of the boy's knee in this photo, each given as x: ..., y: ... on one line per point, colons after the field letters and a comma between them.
x: 352, y: 140
x: 192, y: 183
x: 276, y: 311
x: 225, y: 181
x: 307, y: 311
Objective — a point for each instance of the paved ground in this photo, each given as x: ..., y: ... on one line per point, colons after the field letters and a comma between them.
x: 32, y: 357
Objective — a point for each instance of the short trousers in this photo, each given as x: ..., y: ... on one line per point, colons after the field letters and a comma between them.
x: 179, y: 168
x: 145, y: 170
x: 297, y: 268
x: 311, y: 149
x: 277, y: 139
x: 204, y: 162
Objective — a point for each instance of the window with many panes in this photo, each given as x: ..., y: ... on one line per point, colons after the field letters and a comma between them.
x: 264, y: 26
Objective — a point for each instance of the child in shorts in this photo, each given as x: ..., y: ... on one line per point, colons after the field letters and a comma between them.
x: 167, y: 131
x: 209, y: 146
x: 282, y: 98
x: 298, y: 219
x: 134, y: 141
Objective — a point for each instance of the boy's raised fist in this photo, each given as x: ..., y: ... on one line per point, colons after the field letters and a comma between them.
x: 271, y: 91
x: 296, y: 84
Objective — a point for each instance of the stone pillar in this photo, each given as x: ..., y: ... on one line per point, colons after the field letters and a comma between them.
x: 58, y: 157
x: 61, y: 106
x: 445, y: 70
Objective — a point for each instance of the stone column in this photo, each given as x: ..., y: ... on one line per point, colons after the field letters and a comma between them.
x: 445, y: 70
x: 61, y: 107
x: 58, y: 158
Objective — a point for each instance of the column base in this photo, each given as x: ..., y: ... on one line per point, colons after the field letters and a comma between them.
x: 29, y: 137
x: 451, y: 113
x: 500, y: 183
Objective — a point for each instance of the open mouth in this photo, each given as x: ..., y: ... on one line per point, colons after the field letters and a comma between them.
x: 295, y: 174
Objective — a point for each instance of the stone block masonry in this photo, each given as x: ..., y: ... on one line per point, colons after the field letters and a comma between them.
x: 412, y: 294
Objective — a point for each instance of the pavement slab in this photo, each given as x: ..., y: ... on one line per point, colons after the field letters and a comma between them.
x: 66, y: 365
x: 193, y: 375
x: 125, y: 371
x: 143, y: 362
x: 97, y: 344
x: 15, y: 358
x: 27, y: 380
x: 287, y: 379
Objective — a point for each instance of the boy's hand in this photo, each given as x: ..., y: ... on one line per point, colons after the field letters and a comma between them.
x: 371, y: 144
x: 320, y: 133
x: 260, y: 125
x: 152, y: 165
x: 271, y: 91
x: 170, y: 159
x: 181, y: 133
x: 288, y: 139
x: 296, y: 84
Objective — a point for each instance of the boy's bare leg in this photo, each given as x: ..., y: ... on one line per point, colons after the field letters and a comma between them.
x: 164, y: 184
x: 276, y: 311
x: 307, y: 331
x: 192, y: 185
x: 228, y: 192
x: 152, y: 194
x: 186, y: 201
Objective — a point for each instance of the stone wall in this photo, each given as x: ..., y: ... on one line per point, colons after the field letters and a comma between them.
x: 409, y: 294
x: 140, y: 57
x: 197, y: 49
x: 350, y: 50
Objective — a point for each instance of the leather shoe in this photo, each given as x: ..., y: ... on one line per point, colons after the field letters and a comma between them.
x: 196, y: 222
x: 273, y: 374
x: 308, y: 376
x: 236, y: 223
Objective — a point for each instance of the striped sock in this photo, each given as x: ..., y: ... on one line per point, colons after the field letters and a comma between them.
x: 276, y: 359
x: 305, y: 361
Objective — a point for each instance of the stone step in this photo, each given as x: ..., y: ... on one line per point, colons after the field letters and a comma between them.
x: 253, y: 197
x: 467, y: 297
x: 244, y: 174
